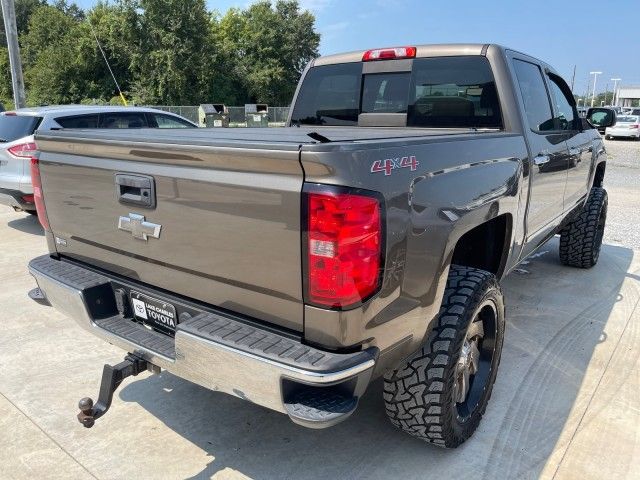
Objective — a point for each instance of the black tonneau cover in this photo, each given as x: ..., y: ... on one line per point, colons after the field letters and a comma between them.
x: 291, y: 136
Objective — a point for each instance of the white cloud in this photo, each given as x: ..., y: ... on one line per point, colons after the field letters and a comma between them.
x: 315, y: 6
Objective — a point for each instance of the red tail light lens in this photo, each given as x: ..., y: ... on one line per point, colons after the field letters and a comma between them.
x: 38, y: 198
x: 23, y: 150
x: 389, y: 54
x: 29, y: 150
x: 344, y: 247
x: 634, y: 126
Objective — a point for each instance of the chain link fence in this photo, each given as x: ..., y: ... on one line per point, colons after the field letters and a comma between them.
x: 277, y: 115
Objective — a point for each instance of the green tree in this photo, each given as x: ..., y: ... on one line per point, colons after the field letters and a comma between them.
x: 24, y: 9
x: 6, y: 89
x: 161, y: 52
x: 271, y: 46
x: 53, y: 66
x: 171, y: 60
x: 117, y: 28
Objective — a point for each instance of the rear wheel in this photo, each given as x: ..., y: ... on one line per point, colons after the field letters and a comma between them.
x: 581, y: 240
x: 440, y: 394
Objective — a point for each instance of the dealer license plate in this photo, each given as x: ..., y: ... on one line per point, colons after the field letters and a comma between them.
x: 153, y: 312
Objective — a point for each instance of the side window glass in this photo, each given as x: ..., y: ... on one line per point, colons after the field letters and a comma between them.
x: 166, y: 121
x: 534, y: 95
x: 123, y: 120
x: 78, y: 121
x: 565, y: 118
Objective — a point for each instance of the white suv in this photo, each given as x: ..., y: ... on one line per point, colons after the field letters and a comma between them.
x: 17, y: 145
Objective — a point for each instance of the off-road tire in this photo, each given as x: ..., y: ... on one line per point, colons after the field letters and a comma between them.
x: 419, y: 394
x: 581, y: 240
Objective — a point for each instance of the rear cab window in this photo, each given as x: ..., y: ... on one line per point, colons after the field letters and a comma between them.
x: 441, y: 92
x: 13, y: 127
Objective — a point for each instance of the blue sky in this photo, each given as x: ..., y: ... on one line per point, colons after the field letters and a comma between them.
x: 593, y: 35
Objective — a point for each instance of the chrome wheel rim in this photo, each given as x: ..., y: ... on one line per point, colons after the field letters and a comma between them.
x: 473, y: 369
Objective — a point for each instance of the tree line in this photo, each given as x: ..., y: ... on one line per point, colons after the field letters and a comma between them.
x: 161, y: 52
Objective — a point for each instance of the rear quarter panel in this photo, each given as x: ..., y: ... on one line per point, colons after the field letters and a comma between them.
x: 460, y: 182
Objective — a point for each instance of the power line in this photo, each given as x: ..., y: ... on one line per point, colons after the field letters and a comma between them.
x: 124, y: 100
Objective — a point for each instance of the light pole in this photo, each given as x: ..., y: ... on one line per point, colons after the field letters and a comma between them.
x: 595, y: 79
x: 615, y: 92
x: 17, y: 82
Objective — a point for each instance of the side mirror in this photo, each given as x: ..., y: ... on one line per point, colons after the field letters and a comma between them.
x: 601, y: 117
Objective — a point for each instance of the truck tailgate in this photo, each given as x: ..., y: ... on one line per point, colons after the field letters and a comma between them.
x: 229, y: 217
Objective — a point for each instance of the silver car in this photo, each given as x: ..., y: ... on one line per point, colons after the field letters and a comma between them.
x: 17, y: 146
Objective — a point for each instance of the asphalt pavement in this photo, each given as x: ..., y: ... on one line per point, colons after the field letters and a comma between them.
x: 566, y: 403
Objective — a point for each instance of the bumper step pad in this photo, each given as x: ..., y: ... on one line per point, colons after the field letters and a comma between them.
x: 320, y: 406
x: 138, y: 334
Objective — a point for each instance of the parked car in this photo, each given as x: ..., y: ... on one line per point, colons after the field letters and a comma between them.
x: 627, y: 126
x: 16, y: 139
x: 290, y: 267
x: 634, y: 111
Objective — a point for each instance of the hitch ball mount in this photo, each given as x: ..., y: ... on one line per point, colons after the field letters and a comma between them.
x: 112, y: 377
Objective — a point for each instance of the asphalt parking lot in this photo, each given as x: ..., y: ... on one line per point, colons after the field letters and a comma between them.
x: 566, y: 403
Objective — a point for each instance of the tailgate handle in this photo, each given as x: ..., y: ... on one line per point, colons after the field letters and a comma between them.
x: 136, y: 190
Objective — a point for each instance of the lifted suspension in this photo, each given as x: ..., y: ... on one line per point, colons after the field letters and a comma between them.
x: 112, y: 377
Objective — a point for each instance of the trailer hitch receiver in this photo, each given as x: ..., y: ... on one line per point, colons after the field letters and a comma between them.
x: 112, y: 377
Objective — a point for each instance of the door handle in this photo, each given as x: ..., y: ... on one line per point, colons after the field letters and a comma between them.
x: 541, y: 160
x: 135, y: 190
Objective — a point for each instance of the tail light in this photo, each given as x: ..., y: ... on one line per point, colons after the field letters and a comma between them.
x: 38, y: 197
x: 23, y: 150
x: 29, y: 150
x: 389, y: 54
x: 343, y: 247
x: 634, y: 126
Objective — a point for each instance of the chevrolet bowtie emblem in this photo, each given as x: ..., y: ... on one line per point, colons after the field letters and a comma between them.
x: 140, y: 229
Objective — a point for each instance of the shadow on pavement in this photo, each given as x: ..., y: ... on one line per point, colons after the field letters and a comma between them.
x: 27, y: 224
x: 556, y: 317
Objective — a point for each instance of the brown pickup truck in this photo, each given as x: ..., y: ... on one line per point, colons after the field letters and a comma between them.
x: 290, y: 267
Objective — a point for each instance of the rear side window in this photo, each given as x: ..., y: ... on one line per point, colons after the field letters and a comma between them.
x: 534, y: 96
x: 123, y: 120
x: 330, y: 95
x: 565, y: 118
x: 79, y: 121
x: 453, y: 92
x: 13, y: 127
x: 167, y: 121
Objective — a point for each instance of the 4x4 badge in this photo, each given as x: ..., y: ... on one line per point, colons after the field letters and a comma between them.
x: 138, y: 227
x: 390, y: 164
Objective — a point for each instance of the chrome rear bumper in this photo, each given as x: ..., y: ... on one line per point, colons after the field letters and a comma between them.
x: 216, y: 350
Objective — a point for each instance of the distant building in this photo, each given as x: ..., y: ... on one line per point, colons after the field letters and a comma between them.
x: 629, y: 96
